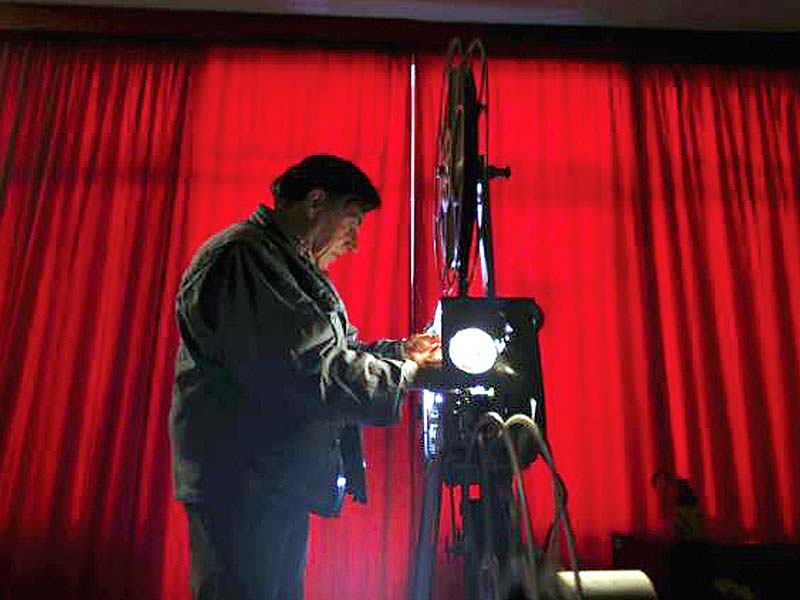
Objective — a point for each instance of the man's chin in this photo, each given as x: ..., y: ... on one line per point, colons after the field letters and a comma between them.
x: 325, y: 263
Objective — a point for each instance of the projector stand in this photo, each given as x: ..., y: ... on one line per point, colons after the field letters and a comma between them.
x: 495, y: 566
x: 482, y: 542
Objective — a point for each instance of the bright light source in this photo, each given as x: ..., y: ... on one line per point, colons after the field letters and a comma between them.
x: 472, y: 350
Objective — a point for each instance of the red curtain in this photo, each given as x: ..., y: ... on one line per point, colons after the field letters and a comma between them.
x: 118, y: 160
x: 653, y: 213
x: 89, y: 141
x: 254, y: 112
x: 721, y: 238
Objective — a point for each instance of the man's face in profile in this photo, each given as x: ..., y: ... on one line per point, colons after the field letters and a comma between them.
x: 338, y: 225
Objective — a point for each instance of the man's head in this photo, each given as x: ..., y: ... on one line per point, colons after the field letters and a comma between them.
x: 337, y: 176
x: 323, y: 199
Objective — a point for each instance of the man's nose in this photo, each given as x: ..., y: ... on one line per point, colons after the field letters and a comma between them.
x: 352, y: 241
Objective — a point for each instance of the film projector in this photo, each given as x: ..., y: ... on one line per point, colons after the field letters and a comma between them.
x: 483, y: 412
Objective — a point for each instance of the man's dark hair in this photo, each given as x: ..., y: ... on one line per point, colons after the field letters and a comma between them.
x: 329, y: 173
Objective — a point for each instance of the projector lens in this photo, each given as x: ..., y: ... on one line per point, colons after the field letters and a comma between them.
x: 472, y: 350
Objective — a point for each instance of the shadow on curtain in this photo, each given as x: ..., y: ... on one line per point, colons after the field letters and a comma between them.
x: 117, y: 161
x: 653, y: 213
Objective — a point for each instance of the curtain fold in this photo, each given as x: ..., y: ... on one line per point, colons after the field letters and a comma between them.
x: 563, y: 228
x: 118, y: 160
x: 722, y: 189
x: 89, y: 144
x: 256, y: 111
x: 653, y: 213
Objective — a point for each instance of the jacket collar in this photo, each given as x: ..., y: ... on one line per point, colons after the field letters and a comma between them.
x: 265, y: 217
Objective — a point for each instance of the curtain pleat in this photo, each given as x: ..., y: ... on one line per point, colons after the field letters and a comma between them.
x: 652, y: 212
x: 89, y: 140
x: 118, y: 161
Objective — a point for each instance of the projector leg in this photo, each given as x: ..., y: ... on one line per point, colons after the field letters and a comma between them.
x: 425, y: 559
x: 488, y: 535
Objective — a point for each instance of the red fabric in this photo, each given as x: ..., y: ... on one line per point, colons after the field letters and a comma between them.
x: 88, y: 139
x: 255, y: 112
x: 118, y: 162
x: 653, y: 214
x: 722, y: 190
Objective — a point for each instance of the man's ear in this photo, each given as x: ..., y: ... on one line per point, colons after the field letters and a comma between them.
x: 315, y: 199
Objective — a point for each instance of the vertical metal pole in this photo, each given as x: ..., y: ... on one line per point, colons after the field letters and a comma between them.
x: 428, y: 536
x: 413, y: 195
x: 485, y: 236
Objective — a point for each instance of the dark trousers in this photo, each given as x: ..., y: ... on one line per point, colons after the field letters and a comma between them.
x: 247, y: 554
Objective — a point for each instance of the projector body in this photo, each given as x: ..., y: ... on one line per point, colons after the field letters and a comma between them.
x: 491, y: 364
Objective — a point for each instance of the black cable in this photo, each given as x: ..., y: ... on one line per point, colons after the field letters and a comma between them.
x: 558, y: 489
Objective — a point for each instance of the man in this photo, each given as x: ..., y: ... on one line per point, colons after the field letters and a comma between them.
x: 271, y: 384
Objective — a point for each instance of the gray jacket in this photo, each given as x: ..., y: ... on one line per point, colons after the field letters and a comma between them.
x: 271, y: 384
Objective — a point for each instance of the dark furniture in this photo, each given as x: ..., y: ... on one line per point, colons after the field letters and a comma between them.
x: 710, y: 570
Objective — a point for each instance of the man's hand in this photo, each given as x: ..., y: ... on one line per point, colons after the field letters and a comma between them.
x: 425, y: 349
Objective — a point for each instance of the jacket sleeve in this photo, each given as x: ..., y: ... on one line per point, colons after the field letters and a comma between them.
x: 382, y: 348
x: 281, y: 347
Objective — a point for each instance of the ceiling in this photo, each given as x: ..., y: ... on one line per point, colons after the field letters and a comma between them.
x: 734, y: 15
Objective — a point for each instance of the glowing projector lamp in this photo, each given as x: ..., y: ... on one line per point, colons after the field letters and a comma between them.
x: 491, y: 363
x: 491, y: 342
x: 472, y: 350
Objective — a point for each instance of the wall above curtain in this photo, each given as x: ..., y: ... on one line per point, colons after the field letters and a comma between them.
x: 752, y: 15
x: 633, y: 43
